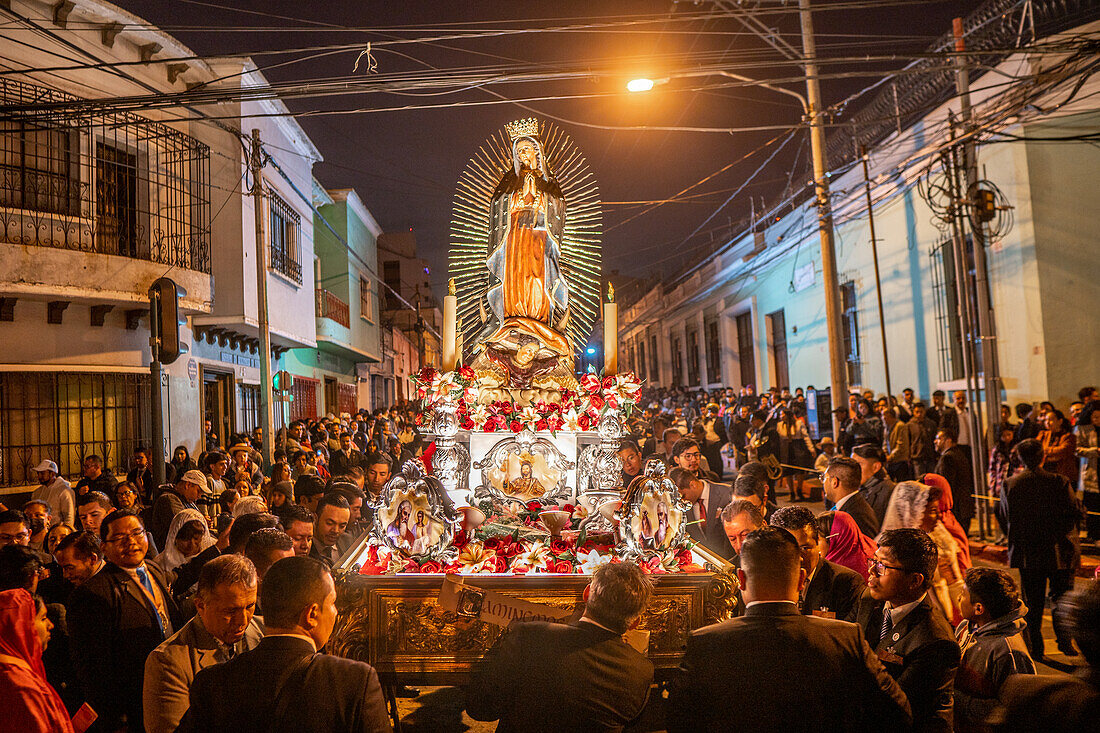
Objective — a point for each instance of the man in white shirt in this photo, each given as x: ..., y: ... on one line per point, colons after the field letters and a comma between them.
x: 56, y: 492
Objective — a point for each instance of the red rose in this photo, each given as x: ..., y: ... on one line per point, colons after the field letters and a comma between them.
x: 453, y: 569
x: 583, y: 421
x: 467, y: 374
x: 431, y: 566
x: 534, y: 506
x: 507, y: 408
x: 563, y: 567
x: 612, y: 401
x: 590, y: 382
x: 515, y: 426
x: 489, y: 427
x: 497, y: 564
x: 467, y: 424
x: 568, y: 508
x: 595, y: 402
x: 493, y: 543
x: 560, y: 547
x: 461, y: 539
x: 608, y: 382
x: 541, y: 425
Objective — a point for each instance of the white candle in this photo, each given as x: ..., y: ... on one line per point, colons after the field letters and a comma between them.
x: 610, y: 333
x: 450, y: 315
x: 458, y: 342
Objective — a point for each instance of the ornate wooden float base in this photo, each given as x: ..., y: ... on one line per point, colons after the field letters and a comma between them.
x: 395, y: 624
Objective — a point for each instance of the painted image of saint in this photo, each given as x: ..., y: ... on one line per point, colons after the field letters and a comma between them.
x: 401, y: 530
x: 526, y: 485
x: 656, y: 522
x: 422, y: 532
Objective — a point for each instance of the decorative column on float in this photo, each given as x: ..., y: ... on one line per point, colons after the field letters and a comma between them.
x: 451, y: 461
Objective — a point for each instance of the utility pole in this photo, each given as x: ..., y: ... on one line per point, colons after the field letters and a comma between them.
x: 838, y: 361
x: 878, y: 280
x: 986, y: 326
x: 156, y: 374
x: 266, y: 417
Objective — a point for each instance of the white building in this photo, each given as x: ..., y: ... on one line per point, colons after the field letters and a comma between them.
x: 96, y: 203
x: 753, y: 313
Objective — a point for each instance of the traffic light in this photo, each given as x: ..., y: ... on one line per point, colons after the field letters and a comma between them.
x: 164, y: 297
x: 282, y: 381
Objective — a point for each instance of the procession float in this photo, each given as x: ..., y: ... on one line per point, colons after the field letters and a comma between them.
x: 523, y: 499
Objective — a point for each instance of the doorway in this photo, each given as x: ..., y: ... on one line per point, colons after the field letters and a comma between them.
x: 332, y: 396
x: 218, y: 403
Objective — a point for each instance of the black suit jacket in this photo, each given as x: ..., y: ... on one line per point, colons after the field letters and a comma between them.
x: 954, y: 465
x: 331, y: 694
x: 714, y: 536
x: 543, y: 676
x: 112, y: 629
x: 339, y: 464
x: 859, y: 510
x: 921, y: 653
x: 877, y: 491
x: 834, y: 589
x: 774, y: 669
x: 1040, y: 512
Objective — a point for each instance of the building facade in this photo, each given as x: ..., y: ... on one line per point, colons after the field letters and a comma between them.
x: 753, y: 313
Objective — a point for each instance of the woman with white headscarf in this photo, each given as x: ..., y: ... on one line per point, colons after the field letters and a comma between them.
x: 188, y: 535
x: 916, y: 505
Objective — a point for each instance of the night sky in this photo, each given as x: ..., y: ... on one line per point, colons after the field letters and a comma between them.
x: 404, y: 164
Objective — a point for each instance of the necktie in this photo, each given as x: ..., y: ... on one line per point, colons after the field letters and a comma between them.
x: 887, y: 624
x: 702, y: 511
x: 143, y: 576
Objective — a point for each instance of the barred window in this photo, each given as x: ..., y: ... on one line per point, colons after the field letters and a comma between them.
x: 67, y: 416
x: 285, y: 227
x: 38, y: 168
x: 250, y: 407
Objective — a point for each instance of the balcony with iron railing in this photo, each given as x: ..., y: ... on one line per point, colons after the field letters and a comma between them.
x: 329, y: 305
x: 98, y: 201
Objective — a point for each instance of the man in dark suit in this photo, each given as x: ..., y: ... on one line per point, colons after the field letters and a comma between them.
x: 774, y: 669
x: 912, y: 638
x: 954, y: 465
x: 341, y: 462
x: 875, y: 484
x: 831, y: 590
x: 542, y: 676
x: 841, y: 487
x: 284, y: 684
x: 116, y: 619
x: 1040, y: 513
x: 707, y: 500
x: 329, y: 540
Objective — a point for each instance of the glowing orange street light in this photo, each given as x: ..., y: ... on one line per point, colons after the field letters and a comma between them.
x: 639, y: 85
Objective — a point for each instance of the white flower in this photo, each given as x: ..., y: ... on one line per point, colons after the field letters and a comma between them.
x: 590, y: 562
x: 570, y: 418
x: 529, y: 416
x: 480, y: 416
x: 535, y: 557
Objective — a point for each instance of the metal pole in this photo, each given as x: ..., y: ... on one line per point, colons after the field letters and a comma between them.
x: 966, y: 318
x: 986, y: 324
x: 838, y: 365
x: 878, y: 280
x: 266, y: 417
x: 156, y: 372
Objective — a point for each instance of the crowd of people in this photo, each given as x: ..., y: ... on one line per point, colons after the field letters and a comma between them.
x: 204, y: 603
x: 132, y: 589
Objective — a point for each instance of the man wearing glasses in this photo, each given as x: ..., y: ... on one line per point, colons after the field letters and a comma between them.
x: 116, y: 618
x: 911, y: 636
x: 13, y: 528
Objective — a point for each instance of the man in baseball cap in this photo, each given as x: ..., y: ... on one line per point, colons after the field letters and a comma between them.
x: 55, y: 491
x: 183, y: 495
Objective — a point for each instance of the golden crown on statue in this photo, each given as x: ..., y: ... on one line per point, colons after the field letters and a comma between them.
x: 526, y: 457
x: 528, y: 127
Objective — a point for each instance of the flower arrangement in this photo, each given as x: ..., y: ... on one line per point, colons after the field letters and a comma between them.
x: 577, y: 410
x: 514, y: 543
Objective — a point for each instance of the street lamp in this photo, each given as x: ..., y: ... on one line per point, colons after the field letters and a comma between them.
x: 811, y: 107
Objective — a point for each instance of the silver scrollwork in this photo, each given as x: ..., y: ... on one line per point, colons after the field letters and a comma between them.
x: 451, y: 461
x: 600, y: 470
x: 524, y: 443
x: 654, y: 516
x: 414, y: 517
